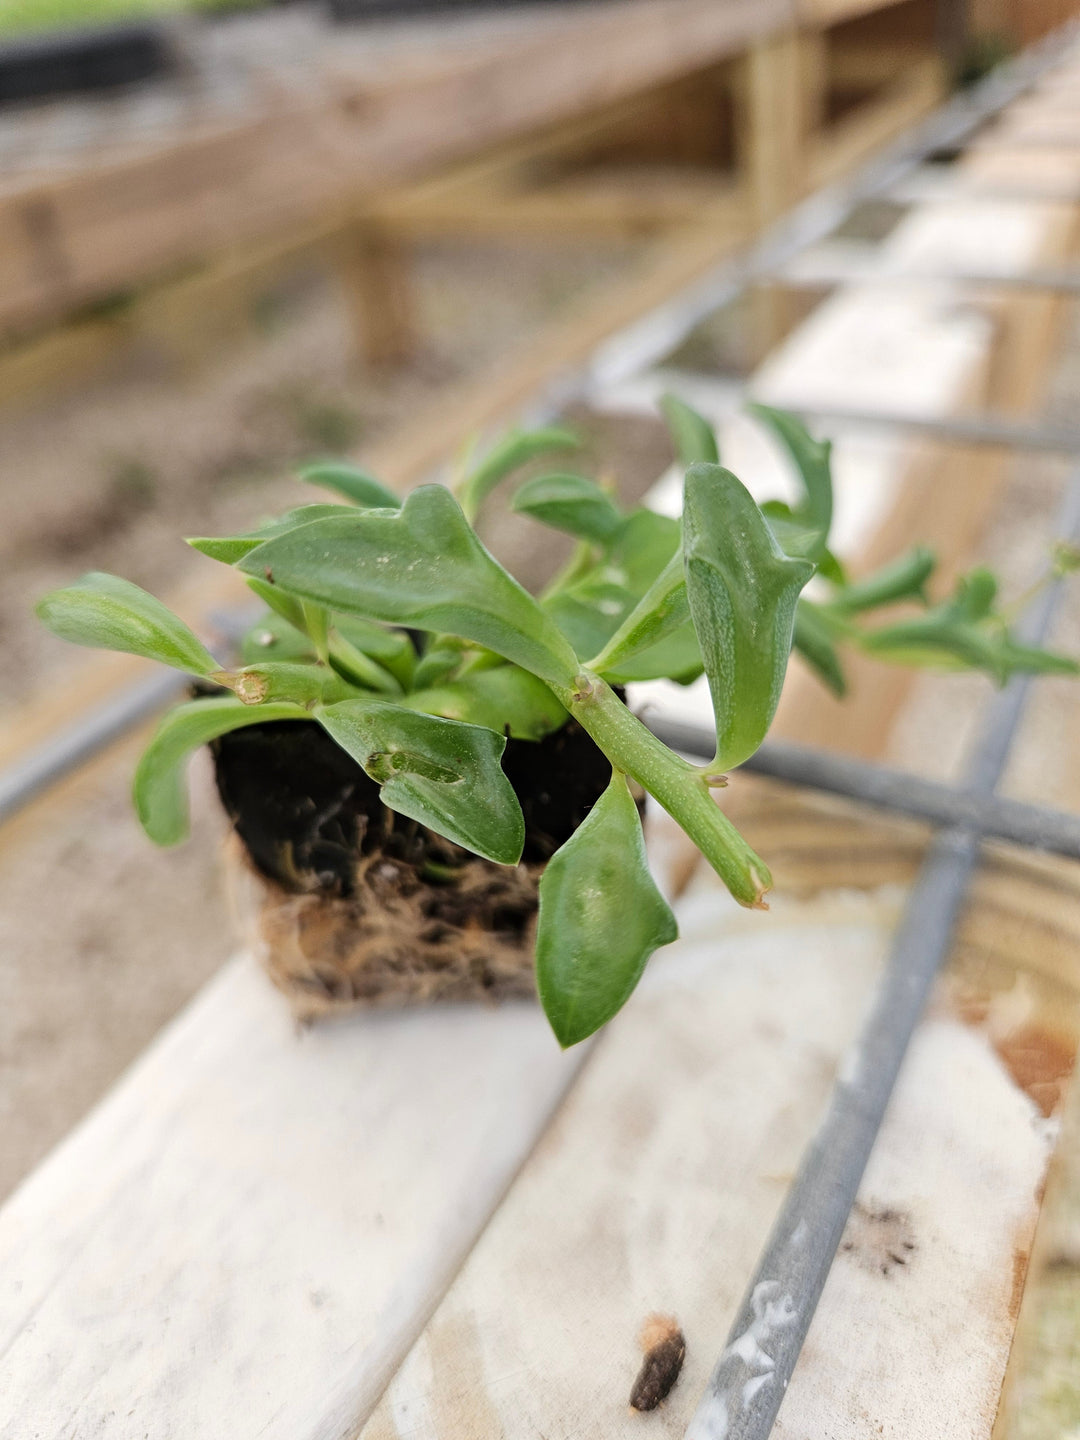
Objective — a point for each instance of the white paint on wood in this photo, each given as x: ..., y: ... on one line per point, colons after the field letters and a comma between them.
x: 245, y: 1236
x: 656, y: 1187
x: 911, y: 352
x: 919, y: 1348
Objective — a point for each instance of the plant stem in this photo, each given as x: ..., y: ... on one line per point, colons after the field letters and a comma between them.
x: 360, y: 669
x: 579, y: 564
x: 681, y: 788
x: 317, y: 625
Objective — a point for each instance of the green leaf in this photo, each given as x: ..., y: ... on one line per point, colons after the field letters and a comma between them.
x: 641, y: 549
x: 583, y: 622
x: 353, y: 643
x: 442, y: 773
x: 504, y: 699
x: 392, y: 647
x: 359, y: 669
x: 662, y: 610
x: 437, y: 664
x: 974, y: 596
x: 274, y: 638
x: 112, y: 614
x: 831, y: 568
x: 677, y: 657
x: 231, y: 548
x: 513, y: 451
x: 572, y: 504
x: 938, y: 641
x: 601, y: 917
x: 742, y: 590
x: 813, y: 462
x: 159, y: 794
x: 422, y: 566
x: 794, y: 534
x: 354, y: 484
x: 287, y: 606
x: 902, y: 579
x: 813, y: 639
x: 694, y: 437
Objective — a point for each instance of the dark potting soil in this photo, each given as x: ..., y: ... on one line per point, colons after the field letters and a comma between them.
x: 306, y: 811
x: 362, y: 907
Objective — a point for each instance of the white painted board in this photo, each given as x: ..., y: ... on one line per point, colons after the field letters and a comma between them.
x: 244, y: 1237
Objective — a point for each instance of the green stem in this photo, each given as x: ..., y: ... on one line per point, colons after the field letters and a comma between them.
x: 681, y: 788
x: 361, y: 669
x: 579, y: 564
x: 317, y: 625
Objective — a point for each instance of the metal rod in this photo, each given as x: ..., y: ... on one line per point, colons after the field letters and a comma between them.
x: 748, y: 1383
x: 648, y: 340
x: 22, y: 782
x: 1035, y: 827
x: 996, y: 431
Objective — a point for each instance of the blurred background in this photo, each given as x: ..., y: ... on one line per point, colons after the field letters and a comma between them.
x: 238, y: 236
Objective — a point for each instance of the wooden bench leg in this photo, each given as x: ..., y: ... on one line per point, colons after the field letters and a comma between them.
x: 373, y: 265
x: 776, y: 112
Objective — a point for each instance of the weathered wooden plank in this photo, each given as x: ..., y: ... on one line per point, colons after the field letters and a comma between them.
x: 657, y: 1184
x: 244, y: 1237
x: 107, y: 225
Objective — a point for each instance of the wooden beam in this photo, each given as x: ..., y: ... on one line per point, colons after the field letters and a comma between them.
x: 373, y: 266
x: 69, y: 238
x: 849, y: 142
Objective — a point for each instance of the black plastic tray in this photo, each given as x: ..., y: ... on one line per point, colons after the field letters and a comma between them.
x: 73, y: 61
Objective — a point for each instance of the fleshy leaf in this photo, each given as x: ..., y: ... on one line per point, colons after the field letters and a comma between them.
x: 442, y: 773
x: 275, y: 638
x: 813, y: 462
x: 662, y: 610
x: 694, y: 437
x: 108, y: 613
x: 513, y: 451
x: 641, y: 549
x: 676, y: 657
x: 231, y: 548
x: 902, y: 579
x: 601, y: 917
x: 572, y: 504
x: 422, y: 566
x: 437, y: 664
x: 287, y: 606
x: 159, y: 791
x: 505, y: 698
x: 352, y: 483
x: 742, y: 591
x: 938, y: 641
x: 974, y: 596
x: 813, y: 640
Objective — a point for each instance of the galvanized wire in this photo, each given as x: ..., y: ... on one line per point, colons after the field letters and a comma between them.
x: 29, y: 777
x: 1035, y: 827
x: 749, y: 1381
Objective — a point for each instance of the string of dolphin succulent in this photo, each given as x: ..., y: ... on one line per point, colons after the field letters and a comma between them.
x: 395, y: 629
